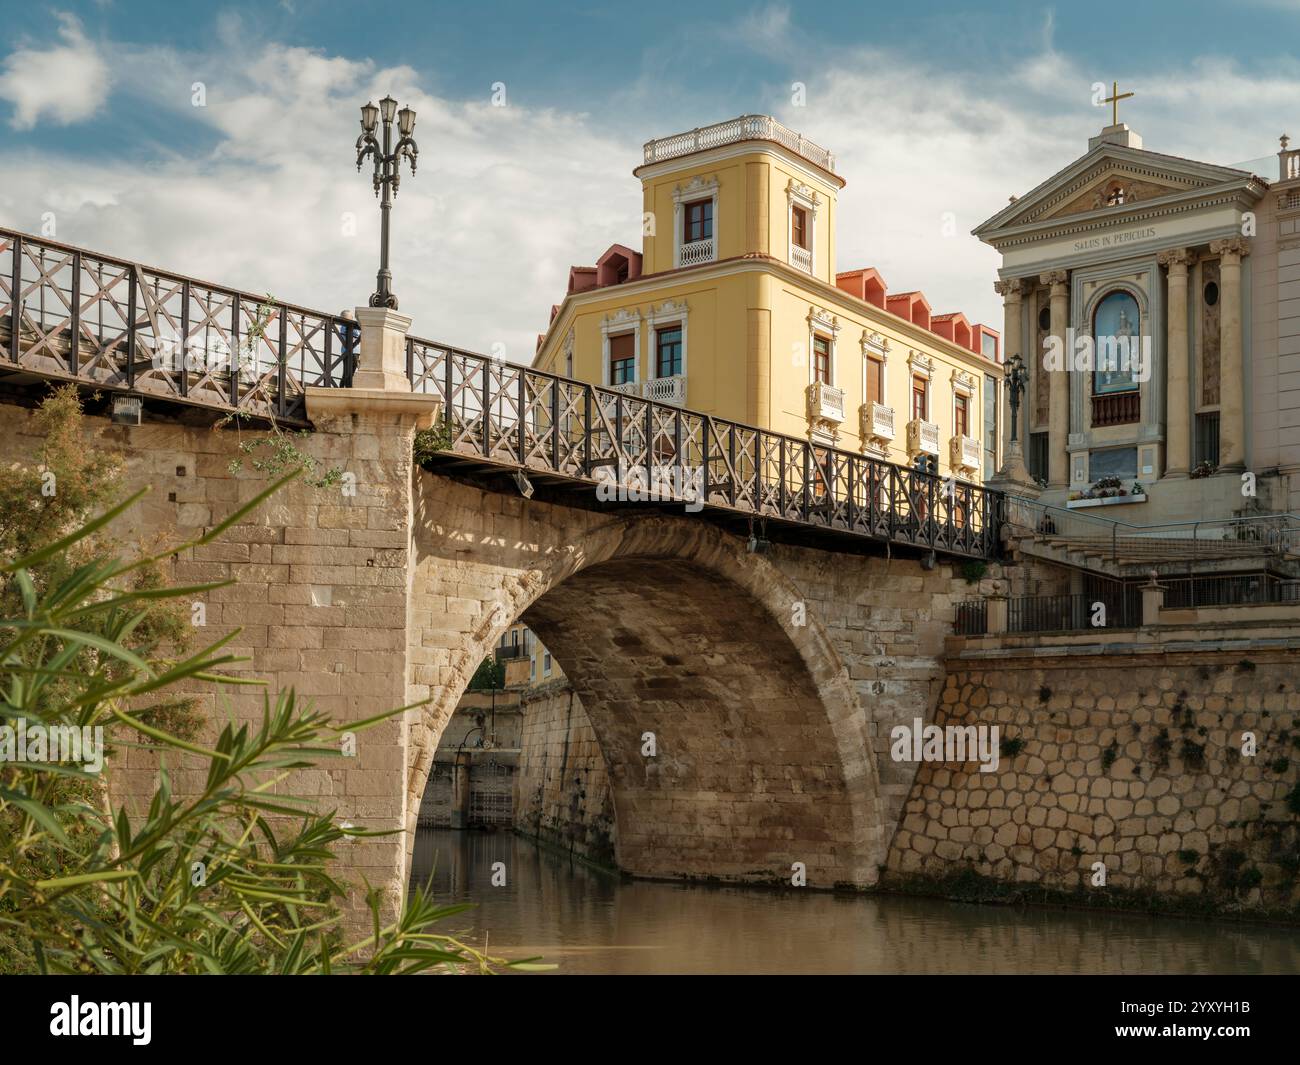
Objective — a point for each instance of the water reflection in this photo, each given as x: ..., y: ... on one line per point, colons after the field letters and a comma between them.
x: 589, y: 922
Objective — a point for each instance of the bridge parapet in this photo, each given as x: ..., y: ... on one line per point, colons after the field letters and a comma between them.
x: 507, y: 415
x: 122, y: 327
x: 71, y: 314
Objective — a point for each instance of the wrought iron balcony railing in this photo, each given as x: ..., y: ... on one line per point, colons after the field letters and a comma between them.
x: 67, y: 313
x: 516, y: 417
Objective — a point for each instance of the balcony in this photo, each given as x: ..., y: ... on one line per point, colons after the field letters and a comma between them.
x: 876, y: 425
x: 825, y: 411
x: 695, y: 252
x: 922, y: 438
x: 825, y: 402
x: 733, y: 131
x: 659, y: 389
x: 666, y: 390
x: 964, y: 454
x: 1116, y: 408
x: 801, y: 258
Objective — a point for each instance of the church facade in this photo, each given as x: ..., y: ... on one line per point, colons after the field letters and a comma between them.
x: 1155, y: 303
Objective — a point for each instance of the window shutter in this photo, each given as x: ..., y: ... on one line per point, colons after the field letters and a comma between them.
x: 621, y: 346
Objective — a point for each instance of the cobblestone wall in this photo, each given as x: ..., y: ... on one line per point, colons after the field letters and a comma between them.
x: 1134, y: 761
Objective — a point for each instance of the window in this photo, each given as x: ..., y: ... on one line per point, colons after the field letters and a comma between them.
x: 698, y: 217
x: 622, y: 359
x: 1211, y: 294
x: 960, y: 416
x: 546, y: 663
x: 668, y: 351
x: 799, y: 227
x: 821, y: 360
x: 1115, y: 327
x: 1039, y: 450
x: 920, y: 399
x: 875, y: 381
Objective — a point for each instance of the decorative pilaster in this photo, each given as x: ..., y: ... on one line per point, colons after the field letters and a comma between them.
x: 1232, y: 407
x: 1178, y: 356
x: 1012, y: 292
x: 1058, y: 415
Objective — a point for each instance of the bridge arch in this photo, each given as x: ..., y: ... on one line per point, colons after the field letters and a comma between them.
x: 664, y: 625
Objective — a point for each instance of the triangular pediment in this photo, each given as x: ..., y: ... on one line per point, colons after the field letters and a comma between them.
x: 1112, y: 178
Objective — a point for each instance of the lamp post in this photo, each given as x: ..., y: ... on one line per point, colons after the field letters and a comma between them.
x: 1015, y: 386
x: 387, y: 176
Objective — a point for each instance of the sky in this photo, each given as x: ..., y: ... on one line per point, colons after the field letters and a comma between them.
x: 218, y: 140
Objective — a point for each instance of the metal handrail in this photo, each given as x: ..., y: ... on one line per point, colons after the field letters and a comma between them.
x: 535, y: 420
x: 73, y: 314
x: 1154, y: 531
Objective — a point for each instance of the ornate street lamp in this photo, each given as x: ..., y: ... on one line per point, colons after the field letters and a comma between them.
x: 387, y: 175
x: 1015, y: 386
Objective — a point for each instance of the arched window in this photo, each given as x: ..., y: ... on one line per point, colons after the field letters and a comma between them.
x: 1117, y: 340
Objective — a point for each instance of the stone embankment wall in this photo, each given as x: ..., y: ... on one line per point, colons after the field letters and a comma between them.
x: 1133, y: 760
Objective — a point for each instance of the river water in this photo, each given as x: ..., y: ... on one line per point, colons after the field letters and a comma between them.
x: 588, y: 921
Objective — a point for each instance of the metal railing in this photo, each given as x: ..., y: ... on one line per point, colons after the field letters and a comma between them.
x: 972, y: 617
x: 72, y: 314
x: 516, y: 416
x: 1237, y: 589
x: 1067, y: 613
x: 1275, y: 535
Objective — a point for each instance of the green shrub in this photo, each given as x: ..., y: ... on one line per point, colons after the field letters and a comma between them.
x: 233, y: 879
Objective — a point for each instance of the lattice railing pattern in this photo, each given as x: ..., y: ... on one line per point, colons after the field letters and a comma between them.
x: 527, y: 418
x: 69, y: 313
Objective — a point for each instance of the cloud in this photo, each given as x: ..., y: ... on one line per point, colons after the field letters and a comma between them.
x: 505, y: 198
x: 931, y: 150
x: 64, y: 83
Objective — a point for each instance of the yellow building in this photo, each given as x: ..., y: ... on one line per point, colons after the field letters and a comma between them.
x: 527, y: 660
x: 733, y: 308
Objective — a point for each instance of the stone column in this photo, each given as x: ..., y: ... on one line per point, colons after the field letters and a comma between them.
x: 1177, y: 352
x: 1232, y: 405
x: 1058, y: 420
x: 361, y: 538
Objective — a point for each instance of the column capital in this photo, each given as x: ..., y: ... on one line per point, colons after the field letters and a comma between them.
x: 1054, y: 277
x: 1177, y: 259
x: 1230, y: 248
x: 1012, y: 288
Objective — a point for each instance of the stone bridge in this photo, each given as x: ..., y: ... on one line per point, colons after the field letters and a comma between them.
x: 768, y: 680
x: 742, y: 698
